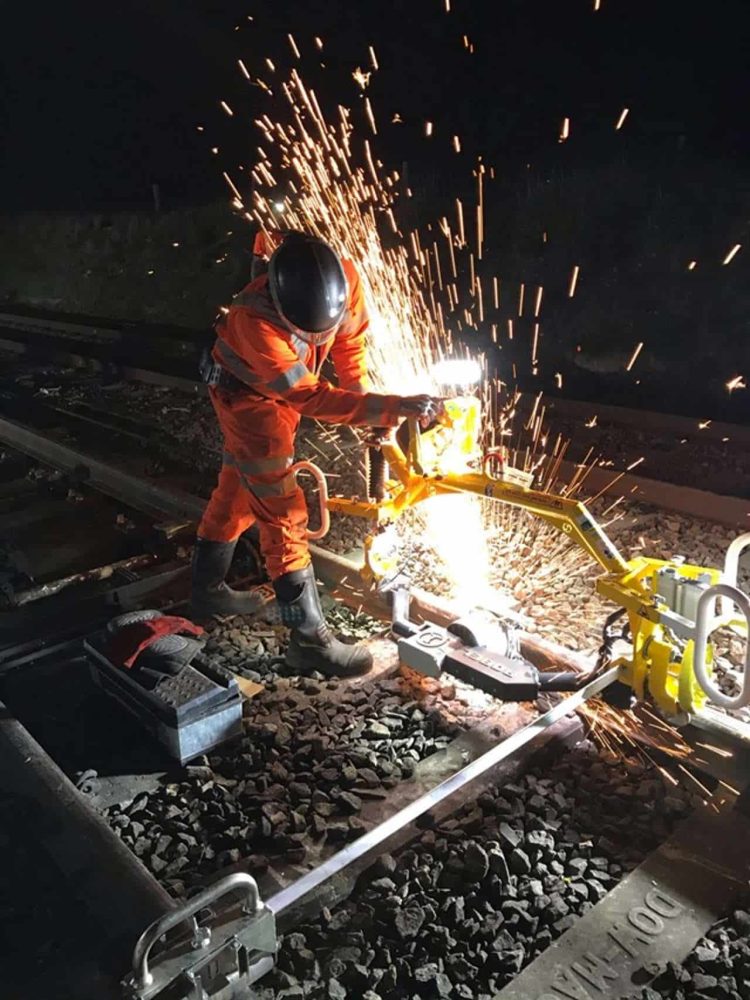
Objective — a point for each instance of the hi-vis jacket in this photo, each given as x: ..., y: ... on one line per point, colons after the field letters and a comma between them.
x: 274, y: 362
x: 276, y: 379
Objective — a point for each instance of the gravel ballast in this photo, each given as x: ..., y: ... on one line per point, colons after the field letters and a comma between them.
x: 308, y: 761
x: 462, y: 910
x: 718, y: 968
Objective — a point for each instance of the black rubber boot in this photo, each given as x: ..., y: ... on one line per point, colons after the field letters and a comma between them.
x: 312, y: 645
x: 210, y: 594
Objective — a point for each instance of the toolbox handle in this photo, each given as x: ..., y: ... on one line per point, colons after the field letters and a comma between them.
x: 704, y: 625
x: 142, y: 977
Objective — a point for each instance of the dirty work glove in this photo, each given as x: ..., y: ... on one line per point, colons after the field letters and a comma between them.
x: 427, y: 409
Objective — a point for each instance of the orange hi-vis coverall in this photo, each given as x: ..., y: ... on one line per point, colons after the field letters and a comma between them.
x: 273, y: 380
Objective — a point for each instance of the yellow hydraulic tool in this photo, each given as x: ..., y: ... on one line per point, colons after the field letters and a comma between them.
x: 672, y: 607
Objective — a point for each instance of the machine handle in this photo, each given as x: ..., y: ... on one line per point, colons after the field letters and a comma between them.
x: 731, y: 566
x: 703, y: 618
x: 142, y: 977
x: 319, y: 477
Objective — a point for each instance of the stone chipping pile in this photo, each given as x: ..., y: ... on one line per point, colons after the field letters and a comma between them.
x: 718, y: 968
x: 309, y: 759
x: 461, y: 911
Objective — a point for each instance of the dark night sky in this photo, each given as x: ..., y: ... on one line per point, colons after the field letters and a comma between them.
x: 101, y: 100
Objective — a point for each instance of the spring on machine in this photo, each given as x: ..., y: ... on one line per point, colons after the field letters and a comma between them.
x: 375, y: 472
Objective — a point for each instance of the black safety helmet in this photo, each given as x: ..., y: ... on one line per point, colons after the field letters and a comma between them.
x: 308, y: 286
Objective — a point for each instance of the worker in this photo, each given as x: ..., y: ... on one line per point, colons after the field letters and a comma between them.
x: 265, y: 375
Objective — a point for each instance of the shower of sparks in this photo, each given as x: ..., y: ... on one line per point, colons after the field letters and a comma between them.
x: 456, y: 144
x: 226, y: 108
x: 732, y: 253
x: 341, y: 192
x: 573, y: 281
x: 692, y: 265
x: 565, y: 130
x: 621, y: 119
x: 634, y: 356
x: 624, y: 733
x: 373, y: 58
x: 428, y: 129
x: 597, y: 4
x: 243, y: 67
x: 738, y: 382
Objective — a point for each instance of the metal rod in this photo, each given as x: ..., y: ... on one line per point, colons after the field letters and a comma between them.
x: 373, y: 840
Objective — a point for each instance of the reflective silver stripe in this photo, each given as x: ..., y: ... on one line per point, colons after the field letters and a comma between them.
x: 281, y: 488
x: 300, y: 346
x: 234, y: 364
x: 258, y: 466
x: 288, y: 379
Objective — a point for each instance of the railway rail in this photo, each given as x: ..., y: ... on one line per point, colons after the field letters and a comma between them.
x: 125, y: 546
x: 168, y: 356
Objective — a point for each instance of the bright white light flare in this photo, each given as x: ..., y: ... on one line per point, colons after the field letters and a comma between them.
x: 459, y: 372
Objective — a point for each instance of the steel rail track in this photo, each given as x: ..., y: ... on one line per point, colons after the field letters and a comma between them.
x: 103, y: 344
x: 107, y: 332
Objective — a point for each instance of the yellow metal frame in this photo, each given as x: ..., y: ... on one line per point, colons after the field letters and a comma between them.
x: 443, y: 460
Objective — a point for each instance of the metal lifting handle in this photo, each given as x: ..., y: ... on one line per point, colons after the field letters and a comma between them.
x: 142, y: 977
x: 731, y: 566
x: 319, y: 477
x: 703, y: 621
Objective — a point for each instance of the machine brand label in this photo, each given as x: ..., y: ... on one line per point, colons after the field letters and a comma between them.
x: 594, y: 973
x: 431, y: 640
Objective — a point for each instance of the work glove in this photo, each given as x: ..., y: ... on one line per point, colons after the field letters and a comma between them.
x: 427, y: 409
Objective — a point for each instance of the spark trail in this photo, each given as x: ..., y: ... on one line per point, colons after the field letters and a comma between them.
x: 339, y: 190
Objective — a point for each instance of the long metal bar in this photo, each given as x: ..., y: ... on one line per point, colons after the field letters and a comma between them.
x: 103, y: 872
x: 374, y: 840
